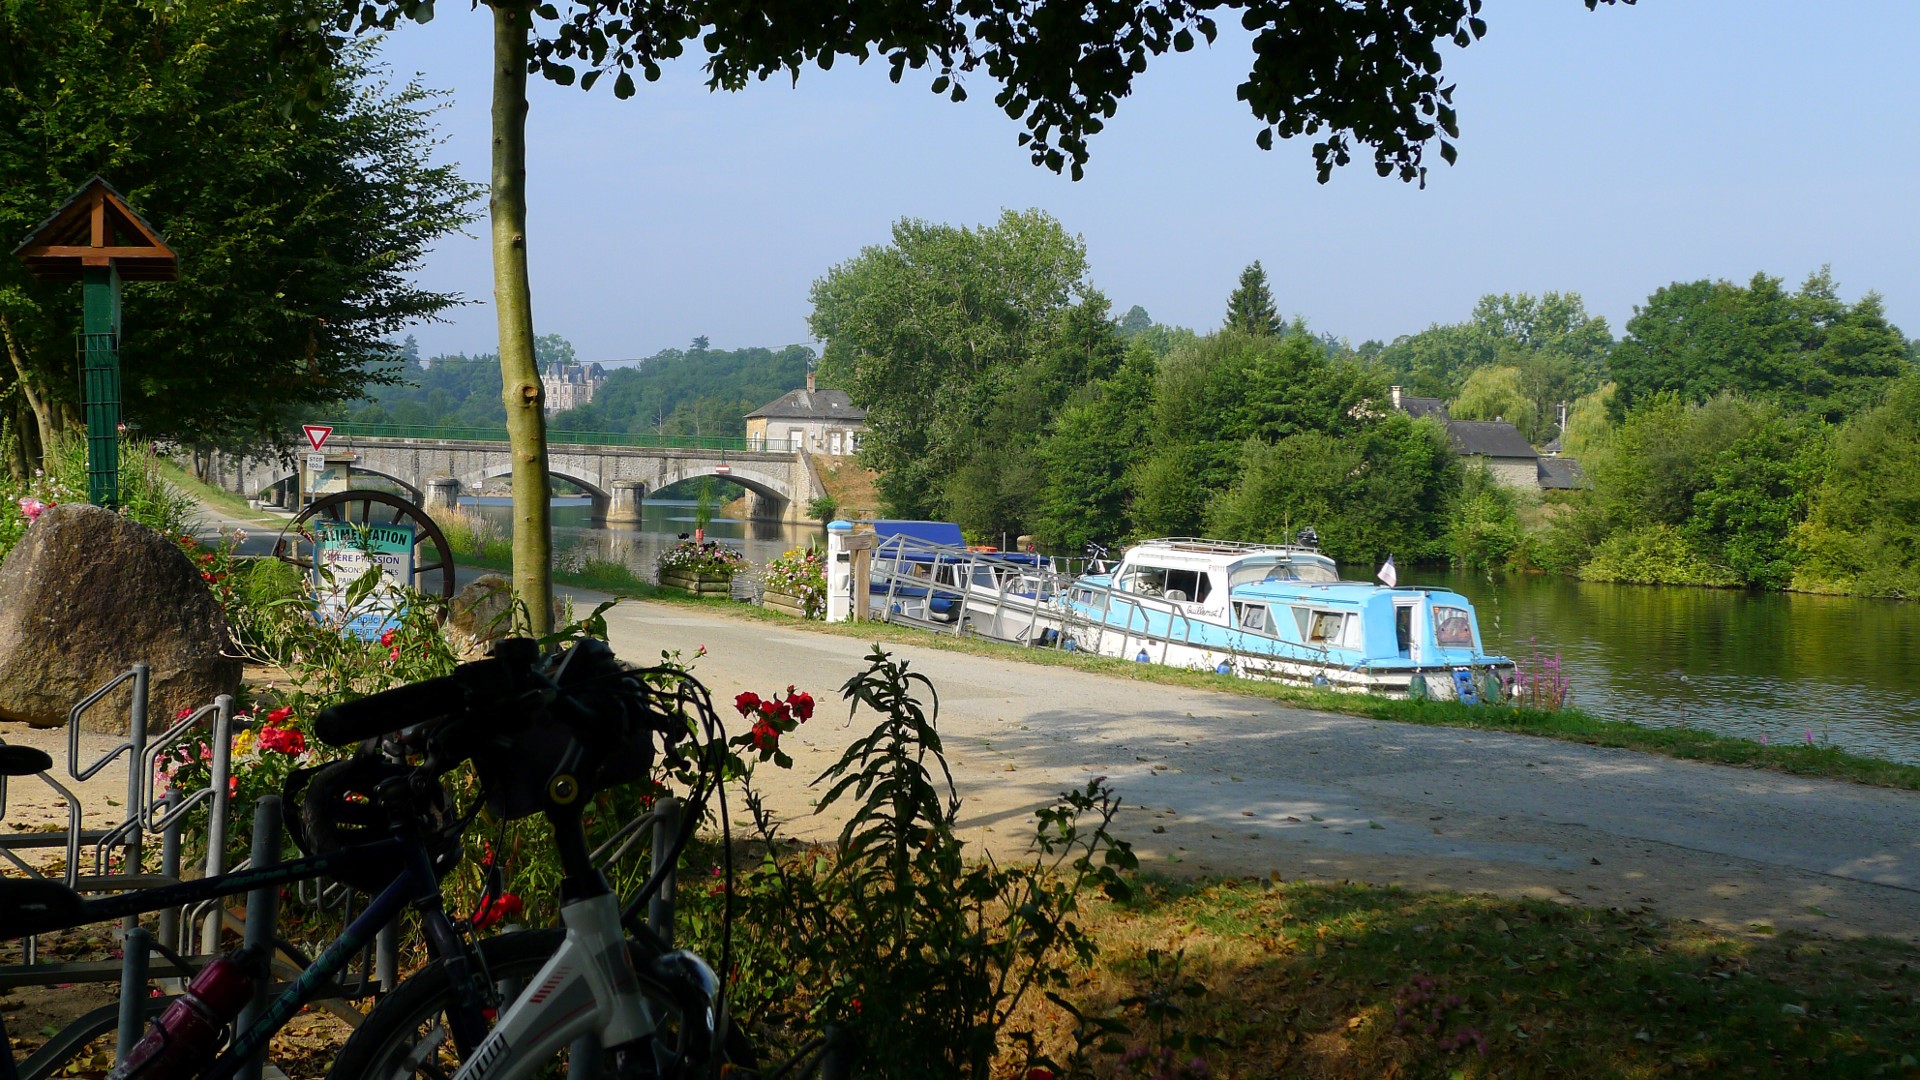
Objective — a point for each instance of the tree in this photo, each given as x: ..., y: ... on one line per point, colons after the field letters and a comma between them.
x: 1495, y: 393
x: 298, y: 224
x: 1250, y: 309
x: 1863, y: 532
x: 1089, y: 456
x: 1135, y: 322
x: 1806, y: 351
x: 1366, y: 75
x: 929, y: 332
x: 1556, y: 350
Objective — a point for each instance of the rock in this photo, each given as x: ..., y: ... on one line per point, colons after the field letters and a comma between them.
x: 84, y: 596
x: 478, y: 614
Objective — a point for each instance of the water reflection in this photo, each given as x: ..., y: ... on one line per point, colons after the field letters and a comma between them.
x: 1750, y: 664
x: 578, y: 538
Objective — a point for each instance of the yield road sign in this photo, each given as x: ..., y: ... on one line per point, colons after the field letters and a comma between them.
x: 317, y: 435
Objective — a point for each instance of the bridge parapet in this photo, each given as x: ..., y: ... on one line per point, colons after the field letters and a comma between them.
x: 436, y: 470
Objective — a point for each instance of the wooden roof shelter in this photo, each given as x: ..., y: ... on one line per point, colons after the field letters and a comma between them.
x: 96, y: 228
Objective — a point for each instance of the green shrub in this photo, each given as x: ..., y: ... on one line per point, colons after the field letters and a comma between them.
x: 1654, y: 555
x: 1484, y: 532
x: 891, y: 933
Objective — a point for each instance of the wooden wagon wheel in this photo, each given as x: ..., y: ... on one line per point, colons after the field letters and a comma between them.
x: 432, y: 555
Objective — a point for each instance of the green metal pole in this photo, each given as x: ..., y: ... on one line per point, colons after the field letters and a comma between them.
x: 100, y: 345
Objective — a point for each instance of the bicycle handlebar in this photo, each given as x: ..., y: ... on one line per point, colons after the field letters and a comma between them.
x: 390, y: 710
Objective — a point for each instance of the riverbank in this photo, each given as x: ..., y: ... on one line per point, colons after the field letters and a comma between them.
x: 1805, y: 758
x: 1572, y: 725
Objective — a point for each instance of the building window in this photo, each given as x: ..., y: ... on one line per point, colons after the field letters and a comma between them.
x: 1452, y: 629
x: 796, y: 439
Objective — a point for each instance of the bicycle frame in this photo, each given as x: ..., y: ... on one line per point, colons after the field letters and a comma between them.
x: 415, y: 885
x: 588, y: 988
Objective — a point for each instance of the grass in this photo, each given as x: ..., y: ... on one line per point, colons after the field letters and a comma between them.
x: 220, y: 498
x: 1351, y: 980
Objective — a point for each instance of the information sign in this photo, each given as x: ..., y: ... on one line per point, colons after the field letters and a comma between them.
x: 316, y: 463
x: 346, y: 552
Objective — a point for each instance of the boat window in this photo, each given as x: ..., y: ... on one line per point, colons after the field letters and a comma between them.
x: 1250, y: 617
x: 1452, y: 629
x: 1189, y: 585
x: 1403, y: 627
x: 1325, y: 627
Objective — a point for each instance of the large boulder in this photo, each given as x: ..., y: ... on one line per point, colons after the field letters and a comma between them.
x: 84, y: 596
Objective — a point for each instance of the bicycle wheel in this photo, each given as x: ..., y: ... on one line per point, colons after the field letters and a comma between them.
x: 406, y: 1035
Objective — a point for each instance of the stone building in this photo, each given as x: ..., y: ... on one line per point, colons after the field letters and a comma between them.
x: 570, y: 385
x: 1500, y: 447
x: 821, y: 421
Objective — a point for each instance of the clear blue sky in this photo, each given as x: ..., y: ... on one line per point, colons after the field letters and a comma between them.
x: 1606, y: 153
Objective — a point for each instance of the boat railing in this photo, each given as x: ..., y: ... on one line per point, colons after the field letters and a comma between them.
x: 895, y: 557
x: 1198, y: 543
x: 1180, y: 626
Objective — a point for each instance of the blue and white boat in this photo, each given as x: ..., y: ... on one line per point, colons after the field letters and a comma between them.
x: 1281, y: 612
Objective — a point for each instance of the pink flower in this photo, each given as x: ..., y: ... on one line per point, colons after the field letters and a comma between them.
x: 32, y: 508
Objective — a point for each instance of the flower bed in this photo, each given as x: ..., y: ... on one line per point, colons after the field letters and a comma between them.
x: 702, y: 569
x: 797, y: 584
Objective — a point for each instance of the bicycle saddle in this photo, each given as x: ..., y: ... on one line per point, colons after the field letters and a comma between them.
x: 33, y: 905
x: 23, y: 760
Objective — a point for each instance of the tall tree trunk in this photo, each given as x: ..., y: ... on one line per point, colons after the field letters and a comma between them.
x: 45, y: 420
x: 513, y: 304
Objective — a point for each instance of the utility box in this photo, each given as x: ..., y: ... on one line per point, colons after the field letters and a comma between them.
x: 849, y: 568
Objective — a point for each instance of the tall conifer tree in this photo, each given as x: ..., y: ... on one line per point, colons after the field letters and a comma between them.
x: 1250, y: 308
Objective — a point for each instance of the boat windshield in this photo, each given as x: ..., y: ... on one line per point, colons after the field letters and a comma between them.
x: 1451, y: 628
x: 1311, y: 572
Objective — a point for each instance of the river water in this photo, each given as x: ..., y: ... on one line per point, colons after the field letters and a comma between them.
x: 1843, y: 670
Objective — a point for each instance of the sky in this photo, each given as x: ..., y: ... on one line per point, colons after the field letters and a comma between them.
x: 1605, y: 152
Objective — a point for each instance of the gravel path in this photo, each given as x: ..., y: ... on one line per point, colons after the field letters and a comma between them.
x: 1222, y: 784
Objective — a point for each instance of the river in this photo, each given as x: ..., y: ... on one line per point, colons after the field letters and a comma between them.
x: 1783, y: 667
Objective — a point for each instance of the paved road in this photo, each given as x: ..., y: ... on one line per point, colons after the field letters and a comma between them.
x: 1246, y: 787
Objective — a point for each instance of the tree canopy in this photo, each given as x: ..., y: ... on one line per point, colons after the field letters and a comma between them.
x: 1805, y: 350
x: 298, y: 228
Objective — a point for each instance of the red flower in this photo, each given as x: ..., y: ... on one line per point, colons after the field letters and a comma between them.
x: 386, y: 638
x: 279, y: 716
x: 802, y: 703
x: 1039, y: 1073
x: 282, y: 740
x: 747, y: 702
x: 765, y: 735
x: 506, y: 905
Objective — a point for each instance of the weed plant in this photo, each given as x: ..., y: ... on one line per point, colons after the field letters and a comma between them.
x: 892, y: 934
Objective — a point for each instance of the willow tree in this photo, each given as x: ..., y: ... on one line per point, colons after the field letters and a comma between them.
x: 1350, y: 75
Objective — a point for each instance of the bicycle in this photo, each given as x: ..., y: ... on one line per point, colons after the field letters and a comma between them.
x: 606, y: 994
x: 390, y: 829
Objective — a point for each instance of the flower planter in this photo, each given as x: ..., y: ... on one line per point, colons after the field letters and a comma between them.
x: 697, y: 583
x: 785, y: 604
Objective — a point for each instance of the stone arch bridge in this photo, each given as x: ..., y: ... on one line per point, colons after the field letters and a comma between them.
x: 436, y: 470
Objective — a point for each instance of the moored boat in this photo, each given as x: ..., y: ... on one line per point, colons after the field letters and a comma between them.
x: 1282, y: 612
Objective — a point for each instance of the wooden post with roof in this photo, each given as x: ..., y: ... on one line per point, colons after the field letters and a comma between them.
x: 95, y: 238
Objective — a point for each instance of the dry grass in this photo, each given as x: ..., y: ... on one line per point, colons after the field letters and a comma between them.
x: 1347, y: 980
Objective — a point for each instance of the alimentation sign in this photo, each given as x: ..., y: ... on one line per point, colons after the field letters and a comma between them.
x: 346, y: 552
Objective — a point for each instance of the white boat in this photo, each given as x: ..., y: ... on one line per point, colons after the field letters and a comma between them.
x: 1282, y: 612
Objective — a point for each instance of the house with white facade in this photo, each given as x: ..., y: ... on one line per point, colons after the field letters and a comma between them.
x: 811, y: 419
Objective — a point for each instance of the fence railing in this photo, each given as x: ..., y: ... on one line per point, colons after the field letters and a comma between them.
x: 555, y: 437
